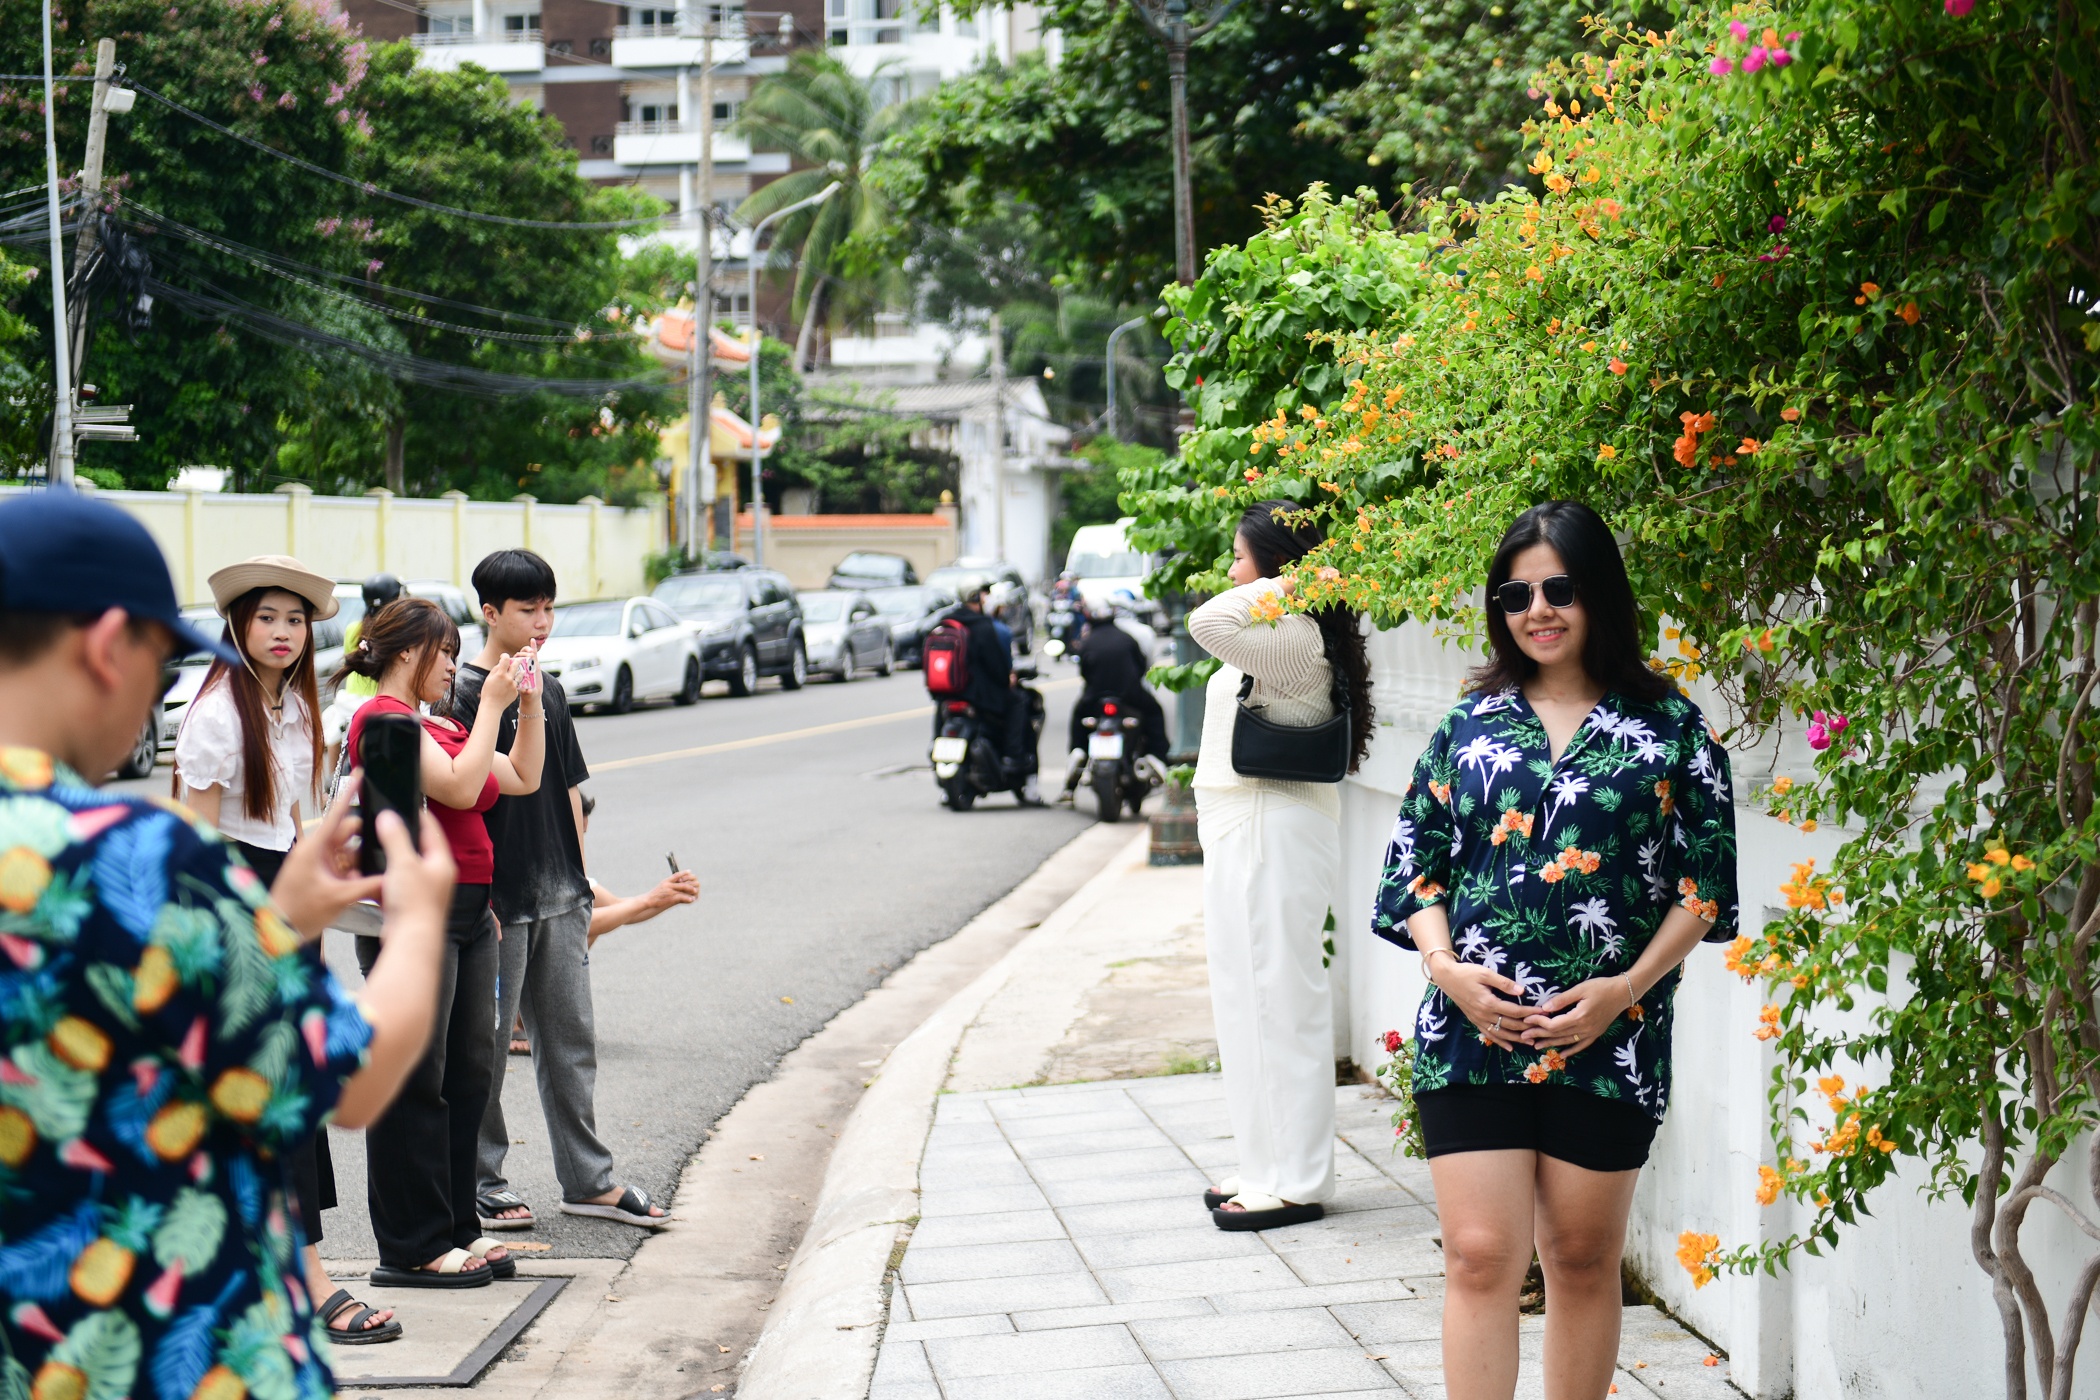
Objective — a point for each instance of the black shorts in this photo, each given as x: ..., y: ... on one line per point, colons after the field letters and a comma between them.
x: 1599, y: 1134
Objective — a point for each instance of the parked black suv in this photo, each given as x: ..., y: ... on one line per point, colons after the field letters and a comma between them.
x: 746, y: 622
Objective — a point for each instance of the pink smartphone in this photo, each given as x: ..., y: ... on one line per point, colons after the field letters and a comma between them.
x: 528, y: 670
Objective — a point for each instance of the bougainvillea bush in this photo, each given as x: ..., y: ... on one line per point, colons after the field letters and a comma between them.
x: 1806, y: 308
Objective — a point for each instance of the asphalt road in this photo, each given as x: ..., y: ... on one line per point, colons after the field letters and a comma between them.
x: 825, y: 860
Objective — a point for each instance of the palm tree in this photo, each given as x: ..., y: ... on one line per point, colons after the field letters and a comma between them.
x: 825, y: 117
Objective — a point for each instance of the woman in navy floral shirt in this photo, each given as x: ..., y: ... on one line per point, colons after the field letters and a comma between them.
x: 1568, y: 838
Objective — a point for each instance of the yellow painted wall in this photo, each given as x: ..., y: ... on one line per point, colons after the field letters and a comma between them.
x: 596, y: 550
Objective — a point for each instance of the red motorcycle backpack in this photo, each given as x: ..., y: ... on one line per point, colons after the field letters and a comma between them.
x: 946, y: 661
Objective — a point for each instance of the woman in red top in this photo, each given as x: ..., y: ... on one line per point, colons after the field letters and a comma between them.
x: 420, y: 1155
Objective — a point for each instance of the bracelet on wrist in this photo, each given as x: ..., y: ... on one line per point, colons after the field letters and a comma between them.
x: 1427, y: 975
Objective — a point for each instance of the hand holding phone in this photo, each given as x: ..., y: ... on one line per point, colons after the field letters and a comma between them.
x: 390, y: 750
x: 528, y: 661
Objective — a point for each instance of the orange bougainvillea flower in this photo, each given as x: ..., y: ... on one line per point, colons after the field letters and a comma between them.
x: 1909, y: 313
x: 1866, y: 290
x: 1606, y: 452
x: 1618, y: 366
x: 1534, y: 273
x: 1748, y: 446
x: 1696, y: 1253
x: 1769, y: 1182
x: 1791, y: 415
x: 1768, y: 1023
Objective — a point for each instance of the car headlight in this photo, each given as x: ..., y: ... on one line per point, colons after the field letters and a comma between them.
x: 582, y: 663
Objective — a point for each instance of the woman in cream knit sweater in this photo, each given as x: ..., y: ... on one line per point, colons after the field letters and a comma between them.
x: 1272, y: 855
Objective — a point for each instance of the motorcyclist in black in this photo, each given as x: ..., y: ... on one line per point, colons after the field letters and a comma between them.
x: 1003, y: 711
x: 1112, y: 663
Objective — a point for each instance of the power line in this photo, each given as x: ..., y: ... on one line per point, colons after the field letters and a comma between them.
x: 577, y: 332
x: 365, y: 187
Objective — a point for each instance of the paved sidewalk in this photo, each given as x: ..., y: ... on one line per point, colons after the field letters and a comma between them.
x: 1062, y: 1251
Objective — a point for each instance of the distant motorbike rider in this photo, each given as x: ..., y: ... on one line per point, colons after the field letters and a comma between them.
x: 1004, y: 711
x: 1112, y: 663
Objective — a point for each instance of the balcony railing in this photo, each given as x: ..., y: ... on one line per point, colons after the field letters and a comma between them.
x: 494, y: 36
x: 731, y: 26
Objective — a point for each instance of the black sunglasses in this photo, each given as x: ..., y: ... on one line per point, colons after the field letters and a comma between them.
x: 1515, y: 596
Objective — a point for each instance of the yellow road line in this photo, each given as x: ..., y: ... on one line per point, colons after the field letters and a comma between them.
x: 785, y: 735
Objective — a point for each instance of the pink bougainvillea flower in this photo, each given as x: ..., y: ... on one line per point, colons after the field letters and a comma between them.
x: 1776, y: 224
x: 1793, y: 36
x: 1721, y: 67
x: 1778, y: 58
x: 1755, y: 59
x: 1960, y: 8
x: 1775, y: 255
x: 1740, y: 30
x: 1818, y: 736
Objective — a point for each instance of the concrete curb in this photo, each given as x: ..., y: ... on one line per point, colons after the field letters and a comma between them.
x: 825, y: 1326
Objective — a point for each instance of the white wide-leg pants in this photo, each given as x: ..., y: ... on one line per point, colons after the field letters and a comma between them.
x: 1268, y: 882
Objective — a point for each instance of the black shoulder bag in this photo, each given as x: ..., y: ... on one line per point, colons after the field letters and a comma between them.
x: 1292, y: 753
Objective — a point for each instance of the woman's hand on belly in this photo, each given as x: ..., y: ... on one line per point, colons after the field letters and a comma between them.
x: 1478, y: 994
x: 1576, y: 1017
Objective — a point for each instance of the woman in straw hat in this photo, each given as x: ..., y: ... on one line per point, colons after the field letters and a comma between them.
x: 245, y: 761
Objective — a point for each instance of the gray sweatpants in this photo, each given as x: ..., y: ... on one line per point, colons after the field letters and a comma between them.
x: 546, y: 969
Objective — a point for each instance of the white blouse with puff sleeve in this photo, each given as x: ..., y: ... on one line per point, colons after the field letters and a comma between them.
x: 208, y: 754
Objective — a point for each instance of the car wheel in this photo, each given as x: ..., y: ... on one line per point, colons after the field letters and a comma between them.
x: 888, y: 665
x: 798, y: 668
x: 746, y: 678
x: 689, y: 693
x: 622, y: 692
x: 139, y: 762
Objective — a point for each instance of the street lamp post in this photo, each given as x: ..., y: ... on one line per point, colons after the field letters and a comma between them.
x: 1113, y: 336
x: 1170, y: 25
x: 758, y: 340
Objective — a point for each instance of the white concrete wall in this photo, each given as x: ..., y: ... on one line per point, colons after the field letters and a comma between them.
x: 1900, y: 1308
x: 596, y: 550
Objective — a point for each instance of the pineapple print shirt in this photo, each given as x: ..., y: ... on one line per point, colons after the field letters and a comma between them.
x: 161, y: 1042
x: 1556, y: 872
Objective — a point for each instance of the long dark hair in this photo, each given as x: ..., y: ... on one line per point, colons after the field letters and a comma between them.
x: 397, y: 629
x: 258, y: 764
x: 1279, y: 533
x: 1612, y: 653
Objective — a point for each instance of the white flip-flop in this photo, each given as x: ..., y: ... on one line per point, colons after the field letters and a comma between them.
x: 1223, y: 1192
x: 631, y: 1209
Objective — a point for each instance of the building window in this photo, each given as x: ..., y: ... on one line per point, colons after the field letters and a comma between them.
x: 656, y: 112
x: 840, y: 38
x: 518, y: 26
x: 452, y: 23
x: 837, y: 9
x: 601, y: 48
x: 652, y: 19
x: 888, y: 9
x: 561, y: 46
x: 725, y: 111
x: 889, y: 36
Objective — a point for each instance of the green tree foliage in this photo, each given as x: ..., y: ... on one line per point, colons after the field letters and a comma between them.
x: 1093, y: 496
x: 1447, y: 87
x: 1081, y: 147
x: 820, y: 113
x: 1243, y: 335
x: 458, y: 138
x: 202, y: 392
x: 244, y: 241
x: 1805, y: 311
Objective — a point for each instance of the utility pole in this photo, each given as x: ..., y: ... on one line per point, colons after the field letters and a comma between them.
x: 91, y: 185
x: 60, y: 472
x: 998, y: 367
x: 1170, y: 25
x: 701, y: 488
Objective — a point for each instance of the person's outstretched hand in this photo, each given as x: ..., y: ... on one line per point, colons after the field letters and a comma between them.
x: 682, y: 888
x: 319, y: 878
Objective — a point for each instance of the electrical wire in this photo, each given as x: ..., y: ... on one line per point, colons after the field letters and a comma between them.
x: 367, y: 188
x: 241, y: 250
x: 395, y: 364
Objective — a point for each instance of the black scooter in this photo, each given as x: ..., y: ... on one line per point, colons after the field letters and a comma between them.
x: 966, y: 762
x: 1116, y: 765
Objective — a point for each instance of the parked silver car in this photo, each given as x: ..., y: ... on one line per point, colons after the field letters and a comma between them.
x: 845, y: 633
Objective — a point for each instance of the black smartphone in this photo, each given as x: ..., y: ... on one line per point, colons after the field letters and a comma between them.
x: 390, y: 750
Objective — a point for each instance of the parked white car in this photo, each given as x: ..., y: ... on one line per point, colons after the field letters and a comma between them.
x: 613, y: 653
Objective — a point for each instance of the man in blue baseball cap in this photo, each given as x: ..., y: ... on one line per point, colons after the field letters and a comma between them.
x: 173, y: 1045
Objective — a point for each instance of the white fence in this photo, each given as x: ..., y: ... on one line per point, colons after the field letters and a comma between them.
x: 1900, y: 1308
x: 597, y: 551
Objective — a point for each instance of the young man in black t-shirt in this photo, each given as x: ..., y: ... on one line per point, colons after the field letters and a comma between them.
x: 543, y: 900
